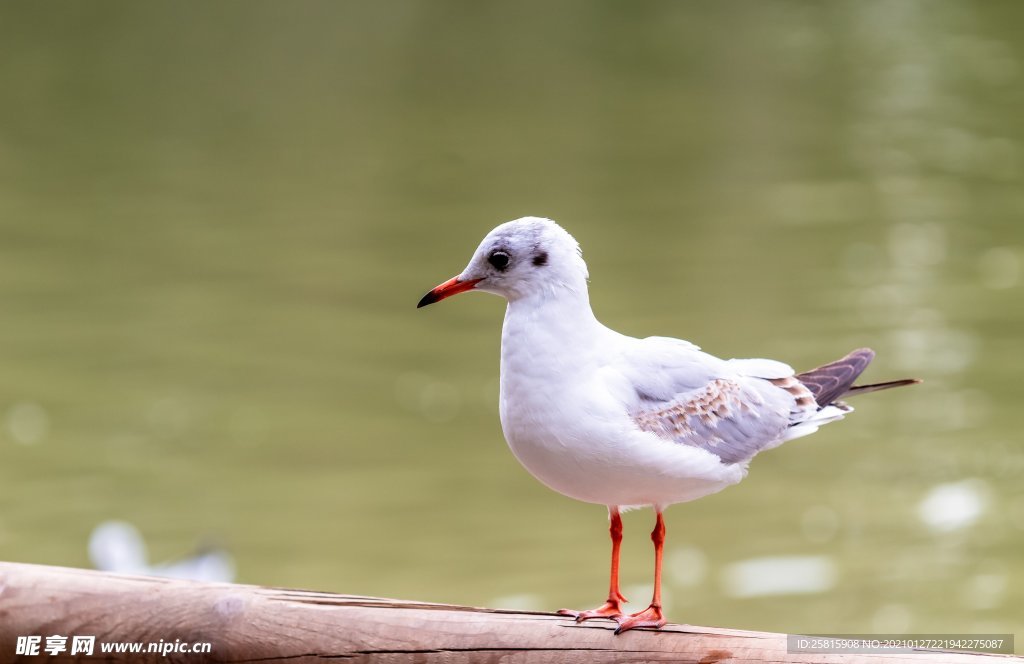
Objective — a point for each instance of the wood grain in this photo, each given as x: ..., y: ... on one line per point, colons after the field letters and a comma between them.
x: 259, y: 624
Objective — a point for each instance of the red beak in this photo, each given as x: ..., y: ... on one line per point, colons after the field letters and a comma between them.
x: 451, y: 287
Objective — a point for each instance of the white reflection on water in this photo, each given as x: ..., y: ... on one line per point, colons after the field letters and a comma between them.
x: 27, y: 423
x: 954, y: 505
x: 687, y: 566
x: 985, y: 590
x: 779, y: 575
x: 913, y: 137
x: 917, y: 245
x: 937, y: 349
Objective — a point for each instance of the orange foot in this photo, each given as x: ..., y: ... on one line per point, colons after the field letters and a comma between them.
x: 649, y: 617
x: 609, y: 609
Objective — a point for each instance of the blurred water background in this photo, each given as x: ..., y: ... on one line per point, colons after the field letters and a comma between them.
x: 216, y: 220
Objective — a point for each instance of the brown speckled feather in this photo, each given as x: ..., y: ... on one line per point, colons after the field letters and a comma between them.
x: 736, y: 415
x: 728, y: 418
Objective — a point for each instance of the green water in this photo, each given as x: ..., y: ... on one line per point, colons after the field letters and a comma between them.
x: 216, y: 220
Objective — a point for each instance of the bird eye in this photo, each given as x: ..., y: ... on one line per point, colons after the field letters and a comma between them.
x: 499, y: 259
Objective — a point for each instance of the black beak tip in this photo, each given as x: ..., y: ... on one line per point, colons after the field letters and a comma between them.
x: 429, y: 298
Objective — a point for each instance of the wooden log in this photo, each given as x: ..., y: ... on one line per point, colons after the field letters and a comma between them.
x: 251, y: 623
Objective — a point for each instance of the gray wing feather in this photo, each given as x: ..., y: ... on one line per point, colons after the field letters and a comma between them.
x: 731, y: 408
x: 730, y: 418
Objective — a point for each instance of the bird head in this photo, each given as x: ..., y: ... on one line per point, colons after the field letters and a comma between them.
x: 527, y: 257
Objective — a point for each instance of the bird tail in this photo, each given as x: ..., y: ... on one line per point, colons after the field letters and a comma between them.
x: 834, y: 380
x: 874, y: 387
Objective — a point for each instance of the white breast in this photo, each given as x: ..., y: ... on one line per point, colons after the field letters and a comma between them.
x: 565, y: 424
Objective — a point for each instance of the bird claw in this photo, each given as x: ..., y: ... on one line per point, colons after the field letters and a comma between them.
x: 609, y: 609
x: 649, y: 617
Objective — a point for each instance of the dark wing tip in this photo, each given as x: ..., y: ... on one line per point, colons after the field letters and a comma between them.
x: 831, y: 381
x: 867, y: 353
x: 874, y: 387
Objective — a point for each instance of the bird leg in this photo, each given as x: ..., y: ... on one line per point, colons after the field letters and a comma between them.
x: 611, y: 608
x: 652, y: 615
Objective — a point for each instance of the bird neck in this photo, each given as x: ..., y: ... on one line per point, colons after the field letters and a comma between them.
x: 556, y: 326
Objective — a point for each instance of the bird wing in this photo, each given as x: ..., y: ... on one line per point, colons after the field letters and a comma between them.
x: 731, y: 408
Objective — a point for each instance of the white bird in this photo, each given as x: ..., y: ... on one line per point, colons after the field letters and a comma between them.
x: 624, y: 422
x: 118, y: 546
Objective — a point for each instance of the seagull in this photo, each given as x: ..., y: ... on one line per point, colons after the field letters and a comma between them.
x: 624, y: 422
x: 118, y: 546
